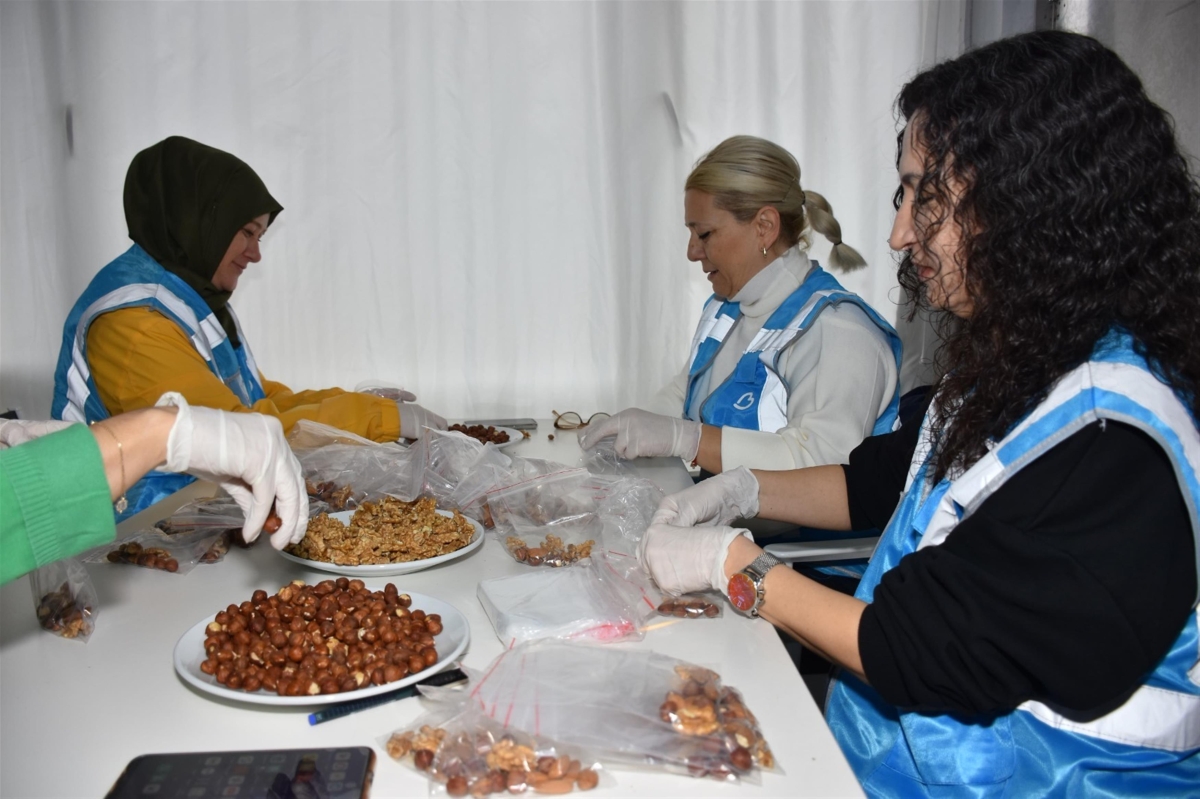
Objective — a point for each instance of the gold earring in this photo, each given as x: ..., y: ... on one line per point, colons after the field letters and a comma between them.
x: 764, y: 252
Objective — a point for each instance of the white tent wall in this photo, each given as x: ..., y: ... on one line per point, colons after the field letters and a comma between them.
x: 483, y: 200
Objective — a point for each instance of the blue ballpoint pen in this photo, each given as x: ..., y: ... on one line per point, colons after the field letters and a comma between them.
x: 448, y: 677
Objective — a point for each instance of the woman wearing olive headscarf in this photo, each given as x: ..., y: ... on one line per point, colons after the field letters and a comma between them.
x: 158, y: 318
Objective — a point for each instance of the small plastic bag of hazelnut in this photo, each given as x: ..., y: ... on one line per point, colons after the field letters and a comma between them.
x: 65, y: 599
x: 691, y: 606
x: 154, y: 549
x: 469, y: 753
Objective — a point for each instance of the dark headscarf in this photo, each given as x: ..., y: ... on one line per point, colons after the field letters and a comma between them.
x: 184, y: 203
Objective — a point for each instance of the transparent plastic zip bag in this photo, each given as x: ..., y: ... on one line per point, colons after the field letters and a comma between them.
x: 153, y: 549
x: 471, y: 753
x: 603, y: 459
x: 582, y: 603
x: 343, y: 470
x: 633, y: 708
x: 64, y: 599
x: 221, y: 516
x: 458, y: 471
x: 548, y: 520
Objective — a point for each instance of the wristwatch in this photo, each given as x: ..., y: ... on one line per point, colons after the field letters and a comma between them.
x: 747, y: 589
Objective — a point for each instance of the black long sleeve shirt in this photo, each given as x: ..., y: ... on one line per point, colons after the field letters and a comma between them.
x: 1068, y: 585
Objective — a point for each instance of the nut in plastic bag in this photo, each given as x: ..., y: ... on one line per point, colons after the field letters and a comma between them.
x: 65, y: 599
x: 154, y: 549
x: 634, y: 707
x: 469, y: 753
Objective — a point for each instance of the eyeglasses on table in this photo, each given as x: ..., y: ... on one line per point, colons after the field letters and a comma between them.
x: 573, y: 421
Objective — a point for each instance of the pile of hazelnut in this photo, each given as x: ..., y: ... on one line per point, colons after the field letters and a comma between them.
x: 483, y: 435
x: 551, y: 552
x: 327, y: 638
x: 60, y: 613
x: 150, y: 557
x: 728, y: 740
x: 482, y: 763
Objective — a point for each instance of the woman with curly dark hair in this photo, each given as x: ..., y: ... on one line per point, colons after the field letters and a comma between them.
x: 1027, y: 625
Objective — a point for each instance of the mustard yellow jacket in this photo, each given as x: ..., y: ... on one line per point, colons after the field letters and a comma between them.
x: 137, y: 354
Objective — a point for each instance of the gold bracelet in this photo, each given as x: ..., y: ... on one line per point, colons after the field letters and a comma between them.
x: 122, y: 503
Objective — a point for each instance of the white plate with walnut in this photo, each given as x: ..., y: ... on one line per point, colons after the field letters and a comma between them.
x: 385, y: 538
x: 256, y: 652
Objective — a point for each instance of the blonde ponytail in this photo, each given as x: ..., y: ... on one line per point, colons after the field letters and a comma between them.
x: 745, y: 173
x: 820, y: 215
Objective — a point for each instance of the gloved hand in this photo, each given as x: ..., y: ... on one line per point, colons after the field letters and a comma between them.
x: 718, y: 500
x: 414, y: 419
x: 18, y: 431
x: 641, y: 434
x: 686, y: 559
x: 247, y: 455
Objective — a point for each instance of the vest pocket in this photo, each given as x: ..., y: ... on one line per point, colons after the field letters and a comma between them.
x: 938, y: 750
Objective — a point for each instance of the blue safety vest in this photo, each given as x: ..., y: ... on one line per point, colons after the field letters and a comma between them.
x: 135, y: 279
x: 754, y: 396
x: 1150, y: 745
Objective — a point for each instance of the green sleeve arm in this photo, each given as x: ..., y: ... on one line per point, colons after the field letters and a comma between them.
x: 54, y: 501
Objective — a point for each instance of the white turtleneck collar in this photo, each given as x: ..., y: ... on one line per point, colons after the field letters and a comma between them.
x: 780, y: 277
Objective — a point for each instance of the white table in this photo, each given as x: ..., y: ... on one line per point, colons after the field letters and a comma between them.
x: 72, y: 715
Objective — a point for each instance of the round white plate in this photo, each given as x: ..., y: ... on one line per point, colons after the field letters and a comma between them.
x: 388, y: 569
x: 514, y: 436
x: 451, y: 643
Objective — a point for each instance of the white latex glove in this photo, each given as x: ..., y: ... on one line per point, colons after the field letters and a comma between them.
x: 18, y: 431
x: 683, y: 560
x: 719, y: 500
x: 247, y: 455
x: 641, y: 434
x: 414, y: 419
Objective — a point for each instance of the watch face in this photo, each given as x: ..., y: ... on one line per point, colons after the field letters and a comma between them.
x: 742, y: 593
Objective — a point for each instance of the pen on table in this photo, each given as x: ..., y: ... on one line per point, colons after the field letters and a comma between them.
x: 448, y: 677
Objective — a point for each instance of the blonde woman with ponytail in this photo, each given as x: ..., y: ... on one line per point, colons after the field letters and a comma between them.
x: 787, y: 369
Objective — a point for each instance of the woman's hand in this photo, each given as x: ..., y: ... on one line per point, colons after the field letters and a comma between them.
x: 248, y: 456
x: 641, y: 434
x: 686, y: 559
x: 716, y: 501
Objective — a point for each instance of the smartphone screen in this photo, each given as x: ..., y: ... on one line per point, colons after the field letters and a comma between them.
x: 274, y: 774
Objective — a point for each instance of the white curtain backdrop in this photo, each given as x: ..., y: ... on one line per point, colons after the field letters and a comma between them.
x: 483, y: 199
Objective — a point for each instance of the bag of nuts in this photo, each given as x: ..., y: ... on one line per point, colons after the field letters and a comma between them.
x: 635, y: 708
x: 469, y: 753
x: 65, y: 599
x: 548, y: 520
x: 154, y: 549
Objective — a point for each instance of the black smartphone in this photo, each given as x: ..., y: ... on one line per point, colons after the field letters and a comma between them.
x: 268, y: 774
x: 516, y: 424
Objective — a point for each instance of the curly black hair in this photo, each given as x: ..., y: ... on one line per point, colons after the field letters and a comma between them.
x: 1079, y: 215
